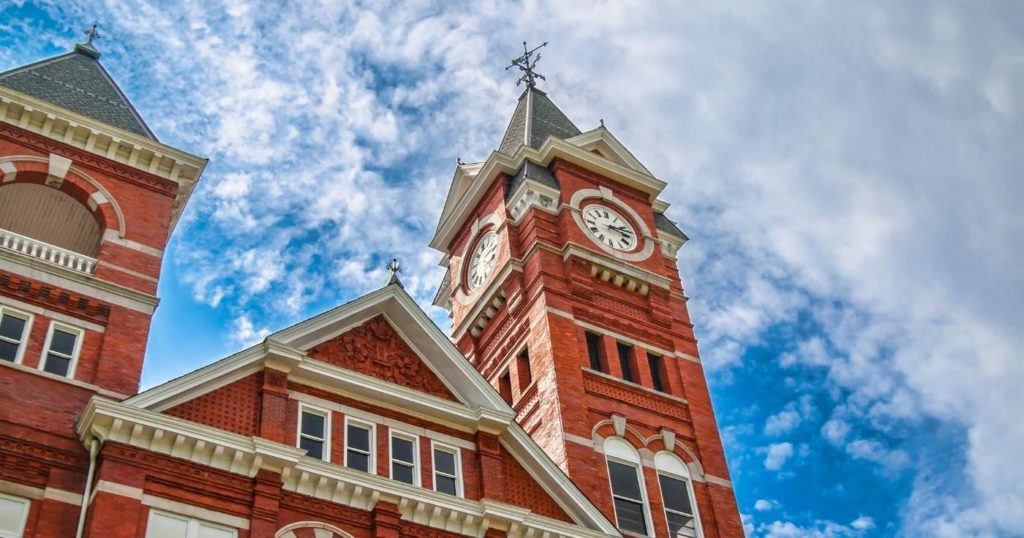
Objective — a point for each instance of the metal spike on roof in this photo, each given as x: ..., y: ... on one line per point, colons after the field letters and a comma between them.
x: 76, y: 81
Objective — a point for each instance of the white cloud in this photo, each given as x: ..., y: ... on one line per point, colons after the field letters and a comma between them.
x: 776, y: 455
x: 835, y: 431
x: 763, y: 505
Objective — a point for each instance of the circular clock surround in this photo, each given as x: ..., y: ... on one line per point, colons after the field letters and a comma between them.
x: 605, y: 196
x: 609, y: 228
x: 482, y: 261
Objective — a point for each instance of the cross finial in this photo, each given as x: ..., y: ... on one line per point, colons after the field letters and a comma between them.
x: 393, y: 268
x: 92, y: 33
x: 526, y: 63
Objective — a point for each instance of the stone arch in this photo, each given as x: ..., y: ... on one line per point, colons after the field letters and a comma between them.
x: 606, y: 428
x: 310, y: 529
x: 685, y: 453
x: 76, y: 183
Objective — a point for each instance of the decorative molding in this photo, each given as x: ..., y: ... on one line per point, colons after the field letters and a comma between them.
x: 531, y: 194
x: 74, y: 281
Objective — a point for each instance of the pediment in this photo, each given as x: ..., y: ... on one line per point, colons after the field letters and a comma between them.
x: 375, y: 349
x: 602, y: 142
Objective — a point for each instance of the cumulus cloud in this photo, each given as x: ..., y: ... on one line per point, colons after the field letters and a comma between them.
x: 776, y: 455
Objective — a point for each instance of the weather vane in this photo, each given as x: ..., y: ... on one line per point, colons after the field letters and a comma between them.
x: 92, y: 33
x: 526, y: 63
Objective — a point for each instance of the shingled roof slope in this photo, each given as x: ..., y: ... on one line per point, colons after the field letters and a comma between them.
x: 76, y: 81
x: 534, y: 120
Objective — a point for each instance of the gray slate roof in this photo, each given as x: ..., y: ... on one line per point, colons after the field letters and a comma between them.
x: 535, y: 119
x: 530, y: 170
x: 76, y: 81
x: 666, y: 225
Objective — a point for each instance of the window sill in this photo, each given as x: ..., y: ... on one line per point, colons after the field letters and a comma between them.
x: 634, y: 385
x: 74, y: 382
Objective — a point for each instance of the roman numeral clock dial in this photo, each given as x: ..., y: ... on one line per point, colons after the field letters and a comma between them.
x: 609, y: 227
x: 483, y: 260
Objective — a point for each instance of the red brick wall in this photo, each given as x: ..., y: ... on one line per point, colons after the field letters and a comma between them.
x: 234, y: 407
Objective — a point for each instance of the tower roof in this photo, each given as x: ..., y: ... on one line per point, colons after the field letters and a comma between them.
x: 76, y: 81
x: 535, y: 119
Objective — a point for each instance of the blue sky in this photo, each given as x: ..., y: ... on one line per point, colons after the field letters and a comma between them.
x: 849, y: 173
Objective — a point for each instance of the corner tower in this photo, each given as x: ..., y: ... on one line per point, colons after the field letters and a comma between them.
x: 563, y: 291
x: 88, y: 199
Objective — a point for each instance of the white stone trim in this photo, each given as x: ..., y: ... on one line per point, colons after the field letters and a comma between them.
x: 531, y: 194
x: 602, y: 139
x: 52, y: 314
x: 114, y: 237
x: 127, y: 271
x: 10, y: 171
x: 63, y: 496
x: 115, y: 488
x: 198, y: 512
x: 21, y: 490
x: 77, y: 282
x: 687, y: 357
x: 57, y: 170
x: 69, y: 381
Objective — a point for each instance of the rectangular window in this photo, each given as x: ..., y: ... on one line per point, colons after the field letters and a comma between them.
x: 13, y: 333
x: 678, y: 509
x: 523, y: 370
x: 626, y: 360
x: 13, y: 515
x: 404, y: 454
x: 62, y: 346
x: 314, y: 432
x: 505, y: 387
x: 166, y: 525
x: 447, y: 472
x: 594, y: 350
x: 656, y: 365
x: 359, y: 443
x: 627, y: 497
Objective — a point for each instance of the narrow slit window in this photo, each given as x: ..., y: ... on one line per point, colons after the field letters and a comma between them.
x: 626, y: 361
x: 656, y: 365
x: 359, y: 447
x: 505, y: 387
x: 61, y: 350
x: 403, y: 459
x: 314, y: 426
x: 594, y: 351
x: 447, y: 478
x: 524, y: 370
x: 13, y: 329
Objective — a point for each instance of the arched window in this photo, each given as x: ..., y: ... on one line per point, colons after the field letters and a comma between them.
x: 677, y: 496
x: 629, y: 496
x: 51, y: 216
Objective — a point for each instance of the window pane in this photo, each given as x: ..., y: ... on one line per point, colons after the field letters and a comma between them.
x: 626, y: 361
x: 673, y: 492
x: 444, y: 461
x: 57, y: 365
x: 680, y: 526
x: 631, y: 516
x: 214, y: 532
x: 445, y: 484
x: 63, y: 342
x: 402, y: 473
x: 161, y: 526
x: 313, y: 424
x: 624, y: 480
x: 654, y: 363
x: 401, y: 449
x: 314, y: 448
x: 8, y: 351
x: 12, y: 515
x: 12, y: 327
x: 358, y: 461
x: 358, y: 437
x: 594, y: 351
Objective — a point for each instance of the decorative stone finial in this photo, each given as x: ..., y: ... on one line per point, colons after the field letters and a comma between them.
x: 393, y: 268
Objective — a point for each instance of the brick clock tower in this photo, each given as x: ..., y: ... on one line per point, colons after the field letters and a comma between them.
x: 88, y: 199
x: 563, y: 291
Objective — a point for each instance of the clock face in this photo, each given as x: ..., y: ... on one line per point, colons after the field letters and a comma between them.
x: 485, y: 257
x: 609, y: 228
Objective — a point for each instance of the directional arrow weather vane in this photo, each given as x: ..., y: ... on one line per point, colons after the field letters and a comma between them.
x: 526, y: 64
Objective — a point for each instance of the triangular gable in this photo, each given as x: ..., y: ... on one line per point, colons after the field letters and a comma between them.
x: 602, y: 142
x: 374, y: 348
x: 478, y: 404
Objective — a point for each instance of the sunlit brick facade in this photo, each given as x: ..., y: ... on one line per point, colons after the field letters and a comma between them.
x: 365, y: 420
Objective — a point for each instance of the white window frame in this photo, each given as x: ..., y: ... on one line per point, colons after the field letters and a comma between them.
x: 683, y: 475
x: 80, y: 336
x: 27, y: 503
x: 314, y: 410
x: 373, y: 442
x: 29, y: 318
x: 631, y: 460
x: 457, y: 452
x: 415, y: 454
x: 192, y: 522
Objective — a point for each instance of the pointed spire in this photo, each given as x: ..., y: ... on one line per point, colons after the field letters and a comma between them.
x: 536, y: 117
x: 77, y: 82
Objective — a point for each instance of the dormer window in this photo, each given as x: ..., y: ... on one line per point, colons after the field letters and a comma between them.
x: 62, y: 346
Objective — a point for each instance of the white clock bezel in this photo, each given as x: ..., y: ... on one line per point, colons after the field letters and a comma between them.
x: 597, y: 238
x: 493, y: 264
x: 605, y: 196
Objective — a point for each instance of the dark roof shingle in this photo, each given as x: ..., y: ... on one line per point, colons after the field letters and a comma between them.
x: 534, y: 120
